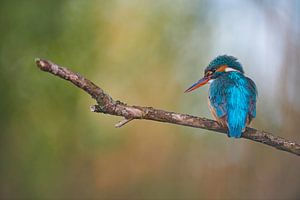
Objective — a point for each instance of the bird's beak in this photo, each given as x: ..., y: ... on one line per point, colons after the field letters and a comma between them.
x: 198, y: 84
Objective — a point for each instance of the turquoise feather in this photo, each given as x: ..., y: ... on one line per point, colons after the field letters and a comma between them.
x: 233, y: 96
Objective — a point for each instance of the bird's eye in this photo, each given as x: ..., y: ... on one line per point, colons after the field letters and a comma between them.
x: 209, y: 73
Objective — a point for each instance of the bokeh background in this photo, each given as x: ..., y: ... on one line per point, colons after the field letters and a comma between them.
x: 144, y: 53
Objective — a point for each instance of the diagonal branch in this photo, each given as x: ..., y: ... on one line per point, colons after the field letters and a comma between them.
x: 106, y: 105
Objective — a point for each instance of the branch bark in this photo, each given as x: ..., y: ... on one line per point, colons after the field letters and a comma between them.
x: 106, y: 105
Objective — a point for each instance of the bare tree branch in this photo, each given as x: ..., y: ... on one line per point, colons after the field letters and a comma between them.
x: 106, y: 105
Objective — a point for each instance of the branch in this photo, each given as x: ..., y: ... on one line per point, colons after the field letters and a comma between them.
x: 106, y: 105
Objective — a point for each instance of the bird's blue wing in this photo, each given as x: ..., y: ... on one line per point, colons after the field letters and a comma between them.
x: 218, y: 95
x: 253, y: 94
x: 217, y: 98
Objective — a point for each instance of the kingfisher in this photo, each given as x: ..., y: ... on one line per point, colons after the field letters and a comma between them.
x: 232, y: 95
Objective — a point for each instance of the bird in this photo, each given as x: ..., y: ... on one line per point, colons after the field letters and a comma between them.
x: 232, y: 95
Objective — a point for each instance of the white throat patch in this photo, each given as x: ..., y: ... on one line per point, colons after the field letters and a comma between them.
x: 210, y: 81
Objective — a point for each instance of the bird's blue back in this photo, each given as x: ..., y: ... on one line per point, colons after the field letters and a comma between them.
x: 233, y: 97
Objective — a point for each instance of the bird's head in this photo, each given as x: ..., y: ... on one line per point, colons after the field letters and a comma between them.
x: 217, y: 67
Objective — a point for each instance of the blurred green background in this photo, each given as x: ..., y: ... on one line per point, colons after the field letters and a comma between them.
x: 144, y: 53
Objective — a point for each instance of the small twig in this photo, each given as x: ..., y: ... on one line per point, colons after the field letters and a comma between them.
x: 107, y: 105
x: 122, y: 123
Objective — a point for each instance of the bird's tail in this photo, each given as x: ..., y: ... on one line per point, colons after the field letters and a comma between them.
x: 236, y: 123
x: 235, y: 132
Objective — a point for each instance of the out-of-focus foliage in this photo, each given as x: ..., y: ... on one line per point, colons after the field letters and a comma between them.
x: 144, y: 53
